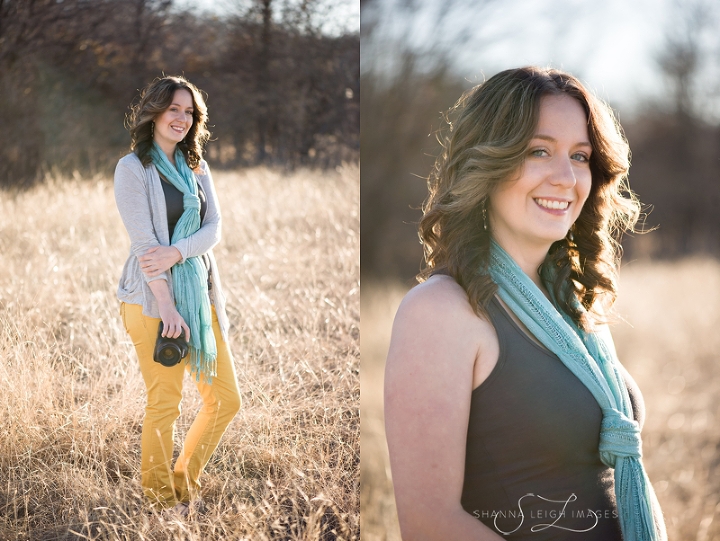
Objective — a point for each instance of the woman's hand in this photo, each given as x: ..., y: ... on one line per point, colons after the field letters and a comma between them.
x: 158, y: 259
x: 173, y: 322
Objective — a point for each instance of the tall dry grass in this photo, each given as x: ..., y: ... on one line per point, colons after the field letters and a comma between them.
x: 72, y: 396
x: 670, y: 343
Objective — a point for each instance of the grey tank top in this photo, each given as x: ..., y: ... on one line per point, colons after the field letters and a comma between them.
x: 532, y: 467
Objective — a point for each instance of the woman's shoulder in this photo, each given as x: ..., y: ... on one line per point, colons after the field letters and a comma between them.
x: 130, y: 159
x: 440, y: 295
x: 440, y: 306
x: 202, y: 173
x: 439, y: 343
x: 130, y: 162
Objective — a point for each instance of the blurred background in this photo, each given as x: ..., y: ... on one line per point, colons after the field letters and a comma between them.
x: 657, y: 63
x: 282, y: 79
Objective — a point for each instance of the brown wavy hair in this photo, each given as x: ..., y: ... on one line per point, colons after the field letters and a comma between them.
x: 486, y: 143
x: 154, y: 100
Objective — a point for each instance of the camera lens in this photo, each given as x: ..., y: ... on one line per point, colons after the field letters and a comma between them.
x: 169, y: 355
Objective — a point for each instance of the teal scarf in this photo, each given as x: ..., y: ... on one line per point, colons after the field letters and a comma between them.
x: 190, y: 278
x: 594, y: 362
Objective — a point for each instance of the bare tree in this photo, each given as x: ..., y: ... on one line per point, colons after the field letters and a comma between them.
x: 406, y: 83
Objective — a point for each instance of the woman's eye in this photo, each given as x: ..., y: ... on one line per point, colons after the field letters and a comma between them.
x: 539, y: 152
x: 581, y: 157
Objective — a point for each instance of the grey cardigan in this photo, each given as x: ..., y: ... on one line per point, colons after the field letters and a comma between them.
x: 141, y: 201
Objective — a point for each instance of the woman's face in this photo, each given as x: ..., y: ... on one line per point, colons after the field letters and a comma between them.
x: 172, y: 125
x: 539, y: 206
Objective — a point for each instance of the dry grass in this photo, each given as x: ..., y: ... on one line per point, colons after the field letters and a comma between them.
x: 669, y: 343
x: 72, y: 401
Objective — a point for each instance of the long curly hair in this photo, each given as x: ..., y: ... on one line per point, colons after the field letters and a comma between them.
x: 485, y: 145
x: 154, y: 100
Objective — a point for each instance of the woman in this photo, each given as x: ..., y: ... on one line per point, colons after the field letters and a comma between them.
x: 167, y: 201
x: 507, y: 412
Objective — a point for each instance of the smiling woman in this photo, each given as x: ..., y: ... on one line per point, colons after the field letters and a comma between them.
x: 506, y: 409
x: 172, y: 303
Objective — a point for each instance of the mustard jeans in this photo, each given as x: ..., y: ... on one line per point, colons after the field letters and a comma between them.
x: 162, y: 484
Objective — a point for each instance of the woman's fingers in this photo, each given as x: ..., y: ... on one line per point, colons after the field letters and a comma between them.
x: 167, y: 329
x: 187, y: 331
x: 177, y: 330
x: 159, y: 259
x: 171, y: 328
x: 150, y: 267
x: 175, y: 327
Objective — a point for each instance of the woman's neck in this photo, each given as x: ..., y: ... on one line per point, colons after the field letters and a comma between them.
x: 168, y: 150
x: 527, y: 258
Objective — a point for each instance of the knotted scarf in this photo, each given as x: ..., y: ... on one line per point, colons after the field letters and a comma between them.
x: 594, y: 362
x: 190, y: 278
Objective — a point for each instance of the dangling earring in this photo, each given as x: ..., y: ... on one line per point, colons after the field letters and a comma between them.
x: 152, y: 129
x: 570, y: 237
x: 484, y: 214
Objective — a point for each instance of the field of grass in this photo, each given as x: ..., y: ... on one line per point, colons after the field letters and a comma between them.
x: 72, y: 396
x: 670, y: 343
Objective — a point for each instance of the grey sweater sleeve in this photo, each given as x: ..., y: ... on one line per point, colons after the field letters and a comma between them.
x: 205, y: 238
x: 133, y: 203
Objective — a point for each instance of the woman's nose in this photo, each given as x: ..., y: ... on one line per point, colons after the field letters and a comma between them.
x: 563, y: 173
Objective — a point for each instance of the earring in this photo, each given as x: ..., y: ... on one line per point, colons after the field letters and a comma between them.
x: 570, y: 237
x: 484, y: 215
x: 152, y: 129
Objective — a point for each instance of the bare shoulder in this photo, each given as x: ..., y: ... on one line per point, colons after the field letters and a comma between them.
x: 441, y: 306
x: 436, y: 330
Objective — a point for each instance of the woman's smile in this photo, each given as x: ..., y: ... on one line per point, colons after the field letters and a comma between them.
x: 554, y: 206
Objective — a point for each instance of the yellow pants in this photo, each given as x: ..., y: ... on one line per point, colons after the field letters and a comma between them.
x: 162, y: 484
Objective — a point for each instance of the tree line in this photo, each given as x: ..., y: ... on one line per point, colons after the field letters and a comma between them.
x: 279, y: 90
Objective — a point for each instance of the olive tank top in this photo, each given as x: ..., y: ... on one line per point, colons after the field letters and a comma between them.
x: 532, y: 467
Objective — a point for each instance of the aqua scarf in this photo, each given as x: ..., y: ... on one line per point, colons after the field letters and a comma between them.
x: 595, y: 363
x: 190, y: 278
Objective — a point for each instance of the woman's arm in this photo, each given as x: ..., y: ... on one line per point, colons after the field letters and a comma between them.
x: 133, y: 203
x: 209, y: 233
x: 173, y: 322
x: 436, y: 343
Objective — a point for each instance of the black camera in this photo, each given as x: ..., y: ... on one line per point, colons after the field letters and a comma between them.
x: 169, y: 351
